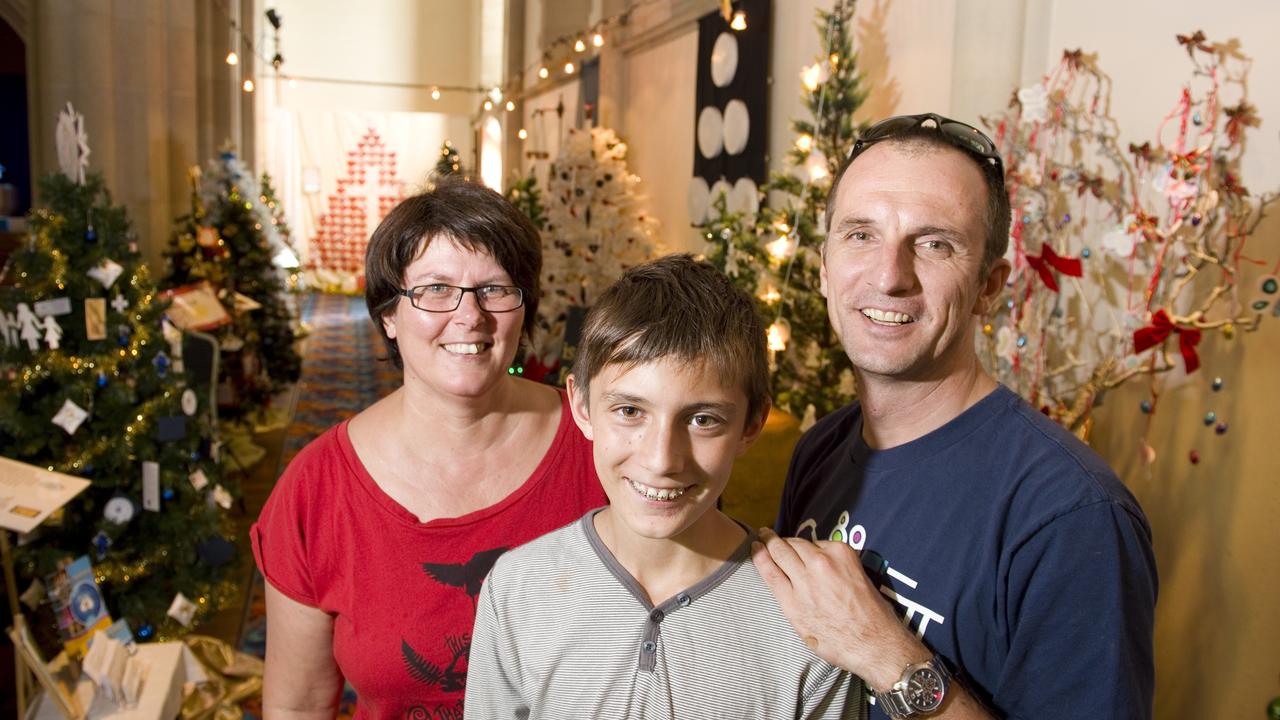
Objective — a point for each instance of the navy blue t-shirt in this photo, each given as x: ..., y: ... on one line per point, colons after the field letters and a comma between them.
x: 1005, y: 543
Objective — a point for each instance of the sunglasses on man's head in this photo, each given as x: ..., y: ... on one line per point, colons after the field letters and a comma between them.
x: 961, y: 135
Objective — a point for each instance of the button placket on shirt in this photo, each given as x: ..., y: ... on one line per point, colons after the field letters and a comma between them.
x: 653, y: 630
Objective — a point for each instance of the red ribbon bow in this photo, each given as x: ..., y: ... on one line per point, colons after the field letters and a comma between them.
x: 1050, y: 259
x: 1159, y: 330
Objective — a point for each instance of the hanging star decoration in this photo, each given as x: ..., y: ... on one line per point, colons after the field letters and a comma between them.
x: 1145, y: 250
x: 72, y: 144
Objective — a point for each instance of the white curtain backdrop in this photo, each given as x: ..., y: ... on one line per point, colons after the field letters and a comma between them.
x: 357, y: 160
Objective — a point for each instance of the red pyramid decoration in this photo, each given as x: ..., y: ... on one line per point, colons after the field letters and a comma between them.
x: 362, y: 198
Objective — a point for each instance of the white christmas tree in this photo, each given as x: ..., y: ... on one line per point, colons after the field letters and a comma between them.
x: 596, y: 229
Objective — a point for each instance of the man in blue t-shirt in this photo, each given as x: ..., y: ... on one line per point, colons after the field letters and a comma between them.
x: 963, y: 554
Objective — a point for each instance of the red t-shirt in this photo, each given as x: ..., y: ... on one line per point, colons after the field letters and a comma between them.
x: 403, y: 593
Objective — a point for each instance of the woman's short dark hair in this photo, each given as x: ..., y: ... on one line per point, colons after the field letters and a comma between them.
x: 471, y: 214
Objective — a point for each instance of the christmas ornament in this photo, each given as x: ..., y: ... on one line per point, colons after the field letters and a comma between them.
x: 216, y: 551
x: 189, y: 402
x: 95, y: 318
x: 8, y: 329
x: 161, y: 362
x: 221, y: 497
x: 29, y: 327
x: 52, y: 332
x: 151, y: 486
x: 182, y: 610
x: 72, y: 144
x: 146, y: 631
x: 119, y: 510
x: 198, y: 479
x: 101, y: 543
x: 106, y: 272
x: 119, y: 304
x: 70, y: 416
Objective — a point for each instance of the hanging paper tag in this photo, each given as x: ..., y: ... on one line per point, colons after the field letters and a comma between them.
x: 95, y: 318
x: 70, y: 417
x: 56, y: 306
x: 198, y: 479
x: 190, y: 402
x: 119, y: 304
x: 106, y: 272
x: 151, y: 486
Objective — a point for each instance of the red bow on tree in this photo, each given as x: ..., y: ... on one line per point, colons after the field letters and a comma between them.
x: 1159, y: 330
x: 1050, y: 259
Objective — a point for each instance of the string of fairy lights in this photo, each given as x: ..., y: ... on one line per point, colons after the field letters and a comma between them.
x: 560, y: 58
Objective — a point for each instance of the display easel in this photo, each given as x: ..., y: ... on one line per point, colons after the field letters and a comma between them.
x: 30, y: 495
x: 31, y: 671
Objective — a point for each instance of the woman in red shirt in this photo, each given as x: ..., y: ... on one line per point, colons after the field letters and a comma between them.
x: 377, y: 537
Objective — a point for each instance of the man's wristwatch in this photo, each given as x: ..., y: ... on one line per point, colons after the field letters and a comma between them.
x: 920, y: 691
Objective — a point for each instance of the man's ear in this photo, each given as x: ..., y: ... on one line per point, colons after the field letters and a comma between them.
x: 578, y: 406
x: 822, y: 271
x: 755, y: 426
x: 991, y: 288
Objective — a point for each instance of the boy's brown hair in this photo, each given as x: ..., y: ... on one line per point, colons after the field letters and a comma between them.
x: 682, y: 308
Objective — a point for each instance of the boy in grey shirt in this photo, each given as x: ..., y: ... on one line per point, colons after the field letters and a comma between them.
x: 651, y: 607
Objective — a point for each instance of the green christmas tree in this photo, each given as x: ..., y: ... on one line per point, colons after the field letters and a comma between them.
x: 527, y: 197
x: 229, y: 240
x: 450, y: 162
x: 776, y: 253
x: 275, y: 209
x: 106, y: 369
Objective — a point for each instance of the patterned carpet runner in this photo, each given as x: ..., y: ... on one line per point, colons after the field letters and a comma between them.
x: 341, y: 375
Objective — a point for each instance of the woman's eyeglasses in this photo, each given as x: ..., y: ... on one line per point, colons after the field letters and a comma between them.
x: 439, y: 297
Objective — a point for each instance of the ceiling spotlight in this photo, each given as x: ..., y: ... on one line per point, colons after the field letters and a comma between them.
x: 248, y: 85
x: 233, y: 58
x: 293, y: 83
x: 522, y: 134
x: 568, y: 68
x: 435, y: 93
x: 543, y: 72
x: 597, y: 40
x: 579, y: 46
x: 510, y: 106
x: 488, y: 104
x: 739, y: 21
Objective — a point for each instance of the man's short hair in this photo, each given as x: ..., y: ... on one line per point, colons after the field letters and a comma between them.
x: 928, y: 139
x: 680, y: 308
x: 471, y: 214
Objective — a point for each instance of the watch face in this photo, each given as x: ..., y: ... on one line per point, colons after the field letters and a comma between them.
x: 924, y: 690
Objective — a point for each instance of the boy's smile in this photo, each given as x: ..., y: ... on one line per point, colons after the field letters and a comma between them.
x: 665, y: 436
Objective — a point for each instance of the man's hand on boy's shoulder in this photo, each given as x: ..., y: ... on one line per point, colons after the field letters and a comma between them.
x: 824, y: 592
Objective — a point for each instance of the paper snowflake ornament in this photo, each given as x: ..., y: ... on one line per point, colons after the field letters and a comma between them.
x: 72, y: 144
